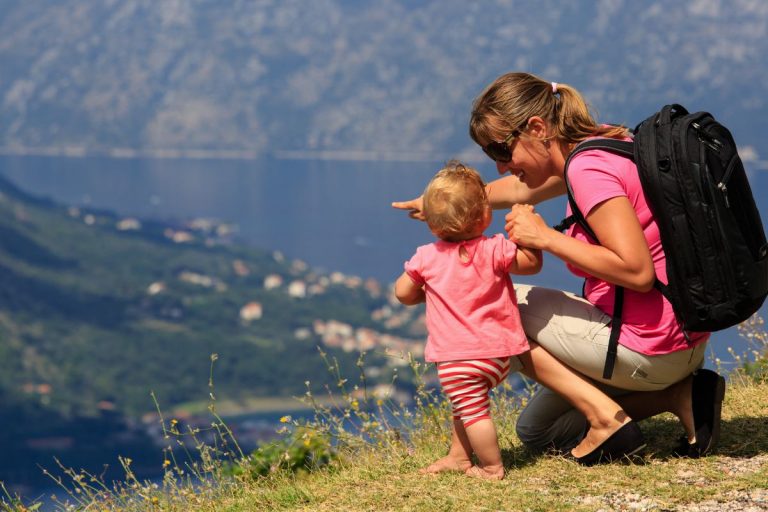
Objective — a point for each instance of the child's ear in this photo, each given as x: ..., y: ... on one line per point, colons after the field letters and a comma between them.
x: 485, y: 221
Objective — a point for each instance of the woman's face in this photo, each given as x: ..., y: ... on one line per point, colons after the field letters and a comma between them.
x: 527, y: 151
x: 530, y: 162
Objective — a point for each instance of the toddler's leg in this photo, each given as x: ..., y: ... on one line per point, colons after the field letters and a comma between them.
x: 459, y: 456
x: 482, y: 436
x: 467, y: 384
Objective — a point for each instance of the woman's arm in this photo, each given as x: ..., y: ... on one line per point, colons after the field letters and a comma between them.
x: 408, y: 292
x: 507, y: 191
x: 503, y: 193
x: 414, y: 206
x: 623, y: 258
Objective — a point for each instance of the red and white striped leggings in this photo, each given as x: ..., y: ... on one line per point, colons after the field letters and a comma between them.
x: 467, y: 384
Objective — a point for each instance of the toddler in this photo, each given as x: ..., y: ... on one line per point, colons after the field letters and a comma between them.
x: 474, y: 330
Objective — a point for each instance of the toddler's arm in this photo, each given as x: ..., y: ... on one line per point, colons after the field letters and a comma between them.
x: 527, y: 261
x: 408, y: 292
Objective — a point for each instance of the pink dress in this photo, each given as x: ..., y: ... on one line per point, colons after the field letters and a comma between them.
x: 471, y: 306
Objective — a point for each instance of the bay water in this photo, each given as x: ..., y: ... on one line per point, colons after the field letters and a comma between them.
x: 334, y: 215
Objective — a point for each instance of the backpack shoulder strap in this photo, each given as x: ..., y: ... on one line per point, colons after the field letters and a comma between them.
x: 621, y: 148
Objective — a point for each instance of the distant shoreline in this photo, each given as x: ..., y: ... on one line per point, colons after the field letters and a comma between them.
x: 338, y: 155
x: 342, y: 155
x: 233, y: 408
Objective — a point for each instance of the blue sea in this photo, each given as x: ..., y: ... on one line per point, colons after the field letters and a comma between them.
x: 334, y: 215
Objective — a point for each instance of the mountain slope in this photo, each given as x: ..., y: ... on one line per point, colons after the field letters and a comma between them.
x: 94, y: 308
x: 371, y: 76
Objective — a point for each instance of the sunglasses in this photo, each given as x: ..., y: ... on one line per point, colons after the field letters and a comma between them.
x: 500, y: 151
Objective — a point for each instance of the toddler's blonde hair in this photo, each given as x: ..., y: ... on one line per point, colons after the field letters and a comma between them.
x: 455, y: 202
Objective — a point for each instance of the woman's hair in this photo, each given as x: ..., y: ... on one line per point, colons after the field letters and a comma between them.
x: 512, y: 99
x: 455, y: 202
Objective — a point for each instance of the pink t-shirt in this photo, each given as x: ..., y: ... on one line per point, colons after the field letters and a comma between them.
x: 649, y: 323
x: 471, y: 306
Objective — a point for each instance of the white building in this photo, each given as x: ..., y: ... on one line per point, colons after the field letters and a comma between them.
x: 155, y: 288
x: 272, y: 281
x: 251, y: 311
x: 297, y: 289
x: 129, y: 224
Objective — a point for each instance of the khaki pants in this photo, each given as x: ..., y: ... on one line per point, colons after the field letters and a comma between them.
x: 576, y: 333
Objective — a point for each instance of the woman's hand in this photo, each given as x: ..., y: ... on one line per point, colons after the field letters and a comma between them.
x: 623, y: 258
x: 415, y: 207
x: 527, y: 228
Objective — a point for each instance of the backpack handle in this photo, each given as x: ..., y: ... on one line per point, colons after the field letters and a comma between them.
x: 669, y: 113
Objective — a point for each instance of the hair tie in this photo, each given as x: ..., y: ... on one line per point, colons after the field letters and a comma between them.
x: 554, y: 87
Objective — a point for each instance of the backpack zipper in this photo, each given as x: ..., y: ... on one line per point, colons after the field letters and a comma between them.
x: 723, y: 185
x: 715, y: 145
x: 716, y: 231
x: 706, y: 138
x: 724, y: 189
x: 715, y: 228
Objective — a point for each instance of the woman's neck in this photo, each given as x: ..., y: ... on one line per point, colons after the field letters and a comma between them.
x: 560, y: 155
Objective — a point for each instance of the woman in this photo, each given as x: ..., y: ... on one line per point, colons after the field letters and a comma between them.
x: 529, y: 127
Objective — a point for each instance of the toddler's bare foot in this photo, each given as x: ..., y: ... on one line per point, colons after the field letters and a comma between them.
x: 486, y: 473
x: 447, y: 463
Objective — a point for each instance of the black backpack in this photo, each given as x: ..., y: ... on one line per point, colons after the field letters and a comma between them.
x: 711, y: 232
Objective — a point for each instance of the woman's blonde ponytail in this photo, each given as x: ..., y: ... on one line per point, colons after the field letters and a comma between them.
x: 513, y: 98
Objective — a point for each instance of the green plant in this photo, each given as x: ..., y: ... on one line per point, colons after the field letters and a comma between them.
x: 355, y: 418
x: 752, y: 364
x: 357, y: 422
x: 195, y: 463
x: 303, y: 450
x: 12, y: 503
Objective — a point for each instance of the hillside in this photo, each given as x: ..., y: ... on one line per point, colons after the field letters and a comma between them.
x: 97, y: 311
x: 365, y: 79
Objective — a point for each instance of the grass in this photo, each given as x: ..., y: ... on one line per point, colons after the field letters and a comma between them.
x: 388, y: 479
x: 363, y: 453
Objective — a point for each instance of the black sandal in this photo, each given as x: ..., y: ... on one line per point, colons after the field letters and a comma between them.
x: 626, y: 442
x: 707, y: 393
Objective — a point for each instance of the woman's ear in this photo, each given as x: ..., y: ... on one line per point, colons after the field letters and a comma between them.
x: 537, y: 127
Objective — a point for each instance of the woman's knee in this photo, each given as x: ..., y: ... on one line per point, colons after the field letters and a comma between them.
x: 531, y: 435
x: 532, y: 429
x: 560, y: 433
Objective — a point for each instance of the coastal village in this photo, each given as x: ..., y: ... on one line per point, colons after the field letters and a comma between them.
x: 300, y: 283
